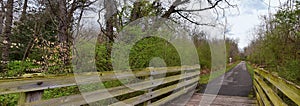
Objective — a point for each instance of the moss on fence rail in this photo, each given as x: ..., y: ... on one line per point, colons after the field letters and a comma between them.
x: 273, y: 85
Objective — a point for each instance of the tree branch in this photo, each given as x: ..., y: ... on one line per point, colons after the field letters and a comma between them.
x: 203, y: 9
x: 172, y: 8
x: 2, y: 5
x: 179, y: 2
x: 205, y: 24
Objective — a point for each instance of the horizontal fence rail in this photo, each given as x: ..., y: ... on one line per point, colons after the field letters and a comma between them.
x: 31, y: 89
x: 267, y: 86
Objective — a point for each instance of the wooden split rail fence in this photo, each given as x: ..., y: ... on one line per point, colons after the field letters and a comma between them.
x: 32, y: 89
x: 267, y: 85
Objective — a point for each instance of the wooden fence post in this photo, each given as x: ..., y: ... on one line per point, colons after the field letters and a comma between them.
x: 27, y: 97
x: 185, y: 80
x: 32, y: 96
x: 150, y: 78
x: 22, y: 98
x: 185, y: 74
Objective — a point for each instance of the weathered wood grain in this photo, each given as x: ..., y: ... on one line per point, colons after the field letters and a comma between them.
x: 111, y: 92
x: 8, y: 86
x: 151, y: 95
x: 261, y: 94
x: 274, y: 98
x: 291, y: 90
x: 167, y: 99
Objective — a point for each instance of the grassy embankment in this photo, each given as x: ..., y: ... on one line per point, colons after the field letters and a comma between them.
x: 204, y: 79
x: 251, y: 72
x: 250, y: 69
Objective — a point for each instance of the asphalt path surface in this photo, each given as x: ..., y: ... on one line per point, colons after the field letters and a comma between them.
x: 231, y: 89
x: 236, y: 82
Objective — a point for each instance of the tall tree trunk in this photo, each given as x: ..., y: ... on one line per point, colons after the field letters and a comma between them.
x: 23, y: 17
x: 63, y: 36
x: 65, y: 18
x: 25, y: 6
x: 7, y: 33
x: 109, y: 16
x: 2, y: 15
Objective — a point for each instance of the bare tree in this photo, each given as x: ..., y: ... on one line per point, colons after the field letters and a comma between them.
x: 212, y: 5
x: 66, y: 20
x: 7, y: 33
x: 24, y: 9
x: 2, y: 15
x: 178, y: 8
x: 119, y: 13
x: 110, y: 7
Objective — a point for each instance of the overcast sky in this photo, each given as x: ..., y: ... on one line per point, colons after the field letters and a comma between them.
x: 242, y: 24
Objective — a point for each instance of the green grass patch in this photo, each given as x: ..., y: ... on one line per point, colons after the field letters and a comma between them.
x: 204, y: 79
x: 250, y: 69
x: 251, y: 72
x: 9, y: 100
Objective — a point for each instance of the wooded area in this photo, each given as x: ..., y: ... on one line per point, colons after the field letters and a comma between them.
x: 277, y: 43
x: 38, y: 35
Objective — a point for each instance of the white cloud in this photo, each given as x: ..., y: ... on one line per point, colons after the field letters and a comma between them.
x: 243, y: 24
x: 253, y: 5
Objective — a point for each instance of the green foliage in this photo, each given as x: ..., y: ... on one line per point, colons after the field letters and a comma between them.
x: 250, y: 70
x: 204, y: 79
x: 32, y: 33
x: 204, y: 54
x: 59, y: 92
x: 141, y: 54
x: 232, y: 50
x: 278, y: 44
x: 147, y: 49
x: 291, y: 71
x: 17, y: 68
x: 102, y: 58
x: 35, y: 40
x: 9, y: 100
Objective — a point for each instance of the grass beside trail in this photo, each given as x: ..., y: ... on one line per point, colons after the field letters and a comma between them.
x: 251, y: 72
x: 250, y: 69
x: 204, y: 79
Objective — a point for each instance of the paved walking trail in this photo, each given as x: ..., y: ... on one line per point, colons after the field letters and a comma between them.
x: 233, y: 91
